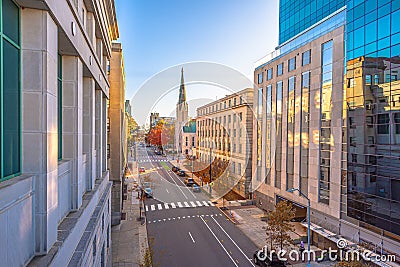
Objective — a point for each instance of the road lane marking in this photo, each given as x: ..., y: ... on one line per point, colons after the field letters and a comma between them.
x: 227, y: 253
x: 180, y: 205
x: 205, y: 203
x: 192, y: 237
x: 192, y: 203
x: 186, y: 204
x: 167, y: 190
x: 178, y: 185
x: 153, y: 207
x: 199, y: 203
x: 211, y: 204
x: 233, y: 241
x: 147, y: 208
x: 159, y: 206
x: 166, y: 206
x: 173, y: 205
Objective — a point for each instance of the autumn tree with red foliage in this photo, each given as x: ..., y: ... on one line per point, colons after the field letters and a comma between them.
x: 160, y: 134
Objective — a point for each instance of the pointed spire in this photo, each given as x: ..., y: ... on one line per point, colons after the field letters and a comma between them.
x: 182, y: 90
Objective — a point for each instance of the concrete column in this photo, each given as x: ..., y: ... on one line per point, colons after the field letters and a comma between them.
x: 91, y: 28
x: 99, y: 132
x: 73, y: 125
x: 89, y: 130
x: 39, y: 124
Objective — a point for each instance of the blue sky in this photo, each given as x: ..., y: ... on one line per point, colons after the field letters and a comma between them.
x: 158, y: 34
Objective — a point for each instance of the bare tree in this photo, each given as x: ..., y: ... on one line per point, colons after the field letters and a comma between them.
x: 278, y: 224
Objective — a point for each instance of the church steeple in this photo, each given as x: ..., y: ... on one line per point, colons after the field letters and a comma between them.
x: 182, y: 90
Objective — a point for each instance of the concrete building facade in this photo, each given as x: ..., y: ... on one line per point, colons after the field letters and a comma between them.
x: 117, y: 131
x: 189, y: 138
x: 224, y: 128
x: 54, y: 184
x: 297, y: 128
x: 350, y: 175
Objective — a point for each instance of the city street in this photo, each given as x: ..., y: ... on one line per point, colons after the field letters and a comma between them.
x: 186, y: 228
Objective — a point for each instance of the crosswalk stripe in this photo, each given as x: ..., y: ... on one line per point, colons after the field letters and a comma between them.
x: 193, y: 204
x: 205, y: 203
x: 147, y: 208
x: 180, y: 205
x: 212, y: 204
x: 153, y: 207
x: 173, y: 205
x: 186, y: 204
x: 166, y: 206
x: 159, y: 206
x: 199, y: 203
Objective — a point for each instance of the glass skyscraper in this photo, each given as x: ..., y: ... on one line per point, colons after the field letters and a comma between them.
x: 372, y: 111
x: 297, y: 15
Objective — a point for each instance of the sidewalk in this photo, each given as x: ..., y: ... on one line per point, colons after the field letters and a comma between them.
x: 129, y: 239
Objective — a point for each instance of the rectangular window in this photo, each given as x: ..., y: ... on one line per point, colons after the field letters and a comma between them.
x: 292, y: 64
x: 10, y: 91
x: 368, y: 79
x: 304, y: 131
x: 396, y: 118
x: 108, y: 151
x: 279, y: 69
x: 325, y: 122
x: 278, y: 123
x: 260, y: 103
x: 306, y: 58
x: 290, y: 126
x: 269, y: 74
x: 260, y: 77
x: 383, y: 123
x: 193, y: 141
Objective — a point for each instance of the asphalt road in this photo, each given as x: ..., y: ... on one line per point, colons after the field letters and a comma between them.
x: 185, y: 228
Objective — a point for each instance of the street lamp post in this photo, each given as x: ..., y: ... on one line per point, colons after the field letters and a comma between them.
x: 308, y: 223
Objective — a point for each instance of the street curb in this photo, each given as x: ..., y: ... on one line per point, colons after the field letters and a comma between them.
x: 227, y: 216
x: 143, y: 238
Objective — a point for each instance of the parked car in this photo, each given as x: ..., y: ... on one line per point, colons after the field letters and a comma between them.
x: 142, y: 169
x: 196, y: 188
x: 270, y: 260
x: 182, y: 173
x: 175, y: 169
x: 158, y: 152
x: 189, y: 182
x: 148, y: 192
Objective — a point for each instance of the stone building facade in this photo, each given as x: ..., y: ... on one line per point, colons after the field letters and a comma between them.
x: 224, y: 127
x: 54, y: 183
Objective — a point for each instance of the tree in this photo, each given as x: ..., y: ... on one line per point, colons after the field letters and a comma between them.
x: 132, y: 127
x: 278, y: 224
x: 161, y: 134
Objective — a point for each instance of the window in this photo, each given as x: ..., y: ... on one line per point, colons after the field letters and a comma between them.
x: 239, y: 170
x: 10, y: 104
x: 260, y: 78
x: 269, y: 74
x: 186, y: 141
x: 292, y: 64
x: 396, y: 118
x: 234, y: 101
x: 108, y: 151
x: 351, y: 122
x: 260, y: 103
x: 59, y: 105
x: 368, y: 79
x: 94, y: 247
x: 279, y: 70
x: 230, y: 103
x: 229, y: 118
x: 383, y: 123
x: 369, y: 120
x: 376, y: 79
x: 193, y: 141
x: 371, y: 140
x: 306, y: 58
x: 354, y: 158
